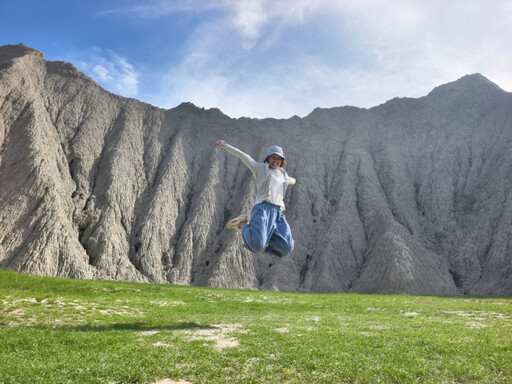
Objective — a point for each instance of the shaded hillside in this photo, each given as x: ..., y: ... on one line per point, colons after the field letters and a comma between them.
x: 411, y: 196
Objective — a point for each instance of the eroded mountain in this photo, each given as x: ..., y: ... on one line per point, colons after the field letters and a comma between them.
x: 412, y: 196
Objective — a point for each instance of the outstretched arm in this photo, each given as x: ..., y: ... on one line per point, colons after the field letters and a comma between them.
x: 246, y: 159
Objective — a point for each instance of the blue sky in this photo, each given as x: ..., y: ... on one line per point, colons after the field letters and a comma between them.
x: 269, y: 58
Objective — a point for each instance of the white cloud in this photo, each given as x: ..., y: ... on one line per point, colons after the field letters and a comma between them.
x: 249, y: 17
x: 283, y: 57
x: 112, y: 71
x: 434, y: 39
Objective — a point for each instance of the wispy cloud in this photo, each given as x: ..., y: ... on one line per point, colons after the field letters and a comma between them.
x: 110, y: 70
x: 277, y: 58
x: 154, y: 9
x: 425, y: 43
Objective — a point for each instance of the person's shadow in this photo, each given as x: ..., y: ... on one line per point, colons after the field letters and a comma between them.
x: 139, y: 327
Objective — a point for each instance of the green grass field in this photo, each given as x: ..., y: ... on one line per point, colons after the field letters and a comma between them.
x: 68, y: 331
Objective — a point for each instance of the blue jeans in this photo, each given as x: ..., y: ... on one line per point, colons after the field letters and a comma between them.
x: 268, y: 230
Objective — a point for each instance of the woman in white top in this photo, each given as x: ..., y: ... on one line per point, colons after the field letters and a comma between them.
x: 267, y: 230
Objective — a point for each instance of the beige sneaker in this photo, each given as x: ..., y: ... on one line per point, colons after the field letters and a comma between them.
x: 233, y: 223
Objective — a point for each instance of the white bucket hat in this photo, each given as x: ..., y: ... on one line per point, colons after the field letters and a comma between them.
x: 275, y: 150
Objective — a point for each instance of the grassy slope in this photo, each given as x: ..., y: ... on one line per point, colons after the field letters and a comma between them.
x: 68, y: 331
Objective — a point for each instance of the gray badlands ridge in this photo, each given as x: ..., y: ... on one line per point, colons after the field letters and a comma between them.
x: 413, y: 196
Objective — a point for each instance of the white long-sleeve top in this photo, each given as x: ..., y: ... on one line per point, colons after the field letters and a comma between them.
x: 271, y: 184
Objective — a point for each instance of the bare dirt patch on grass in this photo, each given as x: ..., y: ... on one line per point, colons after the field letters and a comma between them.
x: 59, y: 311
x: 170, y: 381
x: 219, y: 334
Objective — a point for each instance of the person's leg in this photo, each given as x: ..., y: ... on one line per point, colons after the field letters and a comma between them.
x: 281, y: 241
x: 261, y: 226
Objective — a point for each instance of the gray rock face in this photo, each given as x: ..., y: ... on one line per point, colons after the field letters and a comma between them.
x: 412, y: 196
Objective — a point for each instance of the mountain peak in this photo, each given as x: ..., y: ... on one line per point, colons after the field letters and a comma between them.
x: 473, y: 83
x: 9, y: 52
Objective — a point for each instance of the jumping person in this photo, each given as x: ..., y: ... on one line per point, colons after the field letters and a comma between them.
x: 267, y: 229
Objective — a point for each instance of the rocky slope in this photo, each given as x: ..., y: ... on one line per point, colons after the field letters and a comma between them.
x: 412, y: 196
